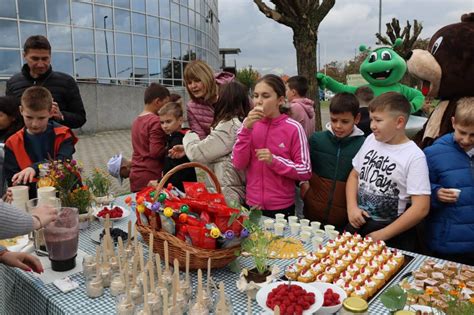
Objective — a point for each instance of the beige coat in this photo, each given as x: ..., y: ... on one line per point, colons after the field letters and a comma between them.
x: 215, y: 151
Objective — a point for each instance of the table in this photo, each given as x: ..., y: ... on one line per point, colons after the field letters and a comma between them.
x: 23, y: 293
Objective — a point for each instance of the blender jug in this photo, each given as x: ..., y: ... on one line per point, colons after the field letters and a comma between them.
x: 62, y: 238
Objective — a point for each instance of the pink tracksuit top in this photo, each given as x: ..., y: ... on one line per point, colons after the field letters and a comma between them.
x: 272, y: 186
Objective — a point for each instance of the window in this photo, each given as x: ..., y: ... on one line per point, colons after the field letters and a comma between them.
x: 124, y: 67
x: 176, y: 50
x: 138, y: 23
x: 184, y: 15
x: 140, y: 70
x: 105, y: 67
x: 8, y: 8
x: 165, y: 8
x: 31, y: 10
x: 174, y: 12
x: 103, y: 17
x: 154, y: 68
x: 123, y: 44
x: 165, y: 49
x: 104, y: 1
x: 122, y: 20
x: 62, y: 62
x: 104, y: 43
x: 191, y: 4
x: 184, y: 34
x: 122, y: 3
x: 29, y: 29
x: 192, y: 18
x: 10, y: 62
x: 192, y: 36
x: 139, y: 45
x: 152, y: 7
x: 9, y: 34
x: 58, y: 11
x: 138, y: 5
x: 165, y: 28
x: 82, y: 14
x: 60, y: 38
x: 153, y: 48
x: 85, y: 66
x: 83, y: 40
x: 153, y: 26
x: 175, y: 31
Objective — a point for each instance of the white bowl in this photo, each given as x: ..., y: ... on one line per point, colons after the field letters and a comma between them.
x: 96, y: 210
x: 322, y: 287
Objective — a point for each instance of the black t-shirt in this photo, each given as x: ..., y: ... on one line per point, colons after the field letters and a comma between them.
x: 364, y: 123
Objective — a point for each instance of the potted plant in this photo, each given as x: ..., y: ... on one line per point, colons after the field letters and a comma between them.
x: 99, y: 184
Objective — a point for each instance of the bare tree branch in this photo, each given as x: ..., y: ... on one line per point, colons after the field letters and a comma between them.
x: 272, y: 14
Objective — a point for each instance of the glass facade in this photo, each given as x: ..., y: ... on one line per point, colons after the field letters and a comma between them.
x: 132, y: 42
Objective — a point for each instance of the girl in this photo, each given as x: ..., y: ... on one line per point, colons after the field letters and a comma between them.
x: 215, y: 150
x: 273, y: 149
x: 201, y: 84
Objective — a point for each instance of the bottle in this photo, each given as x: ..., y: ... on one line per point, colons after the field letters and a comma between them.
x: 354, y: 305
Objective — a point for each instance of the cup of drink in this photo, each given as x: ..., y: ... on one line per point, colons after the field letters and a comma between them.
x: 304, y: 222
x: 20, y: 195
x: 294, y: 228
x: 305, y: 236
x: 279, y: 228
x: 279, y: 216
x: 46, y: 192
x: 307, y: 229
x: 329, y: 227
x: 316, y: 241
x: 292, y: 219
x: 332, y: 234
x: 319, y: 233
x: 282, y: 221
x: 315, y: 225
x: 268, y: 224
x: 456, y: 191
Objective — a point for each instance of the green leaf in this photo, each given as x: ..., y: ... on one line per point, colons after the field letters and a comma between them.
x: 390, y: 302
x: 232, y: 218
x: 255, y: 216
x: 237, y: 252
x: 394, y: 298
x: 234, y: 266
x: 415, y: 292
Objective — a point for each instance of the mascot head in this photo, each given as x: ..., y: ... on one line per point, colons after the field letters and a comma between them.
x: 383, y: 66
x: 447, y: 67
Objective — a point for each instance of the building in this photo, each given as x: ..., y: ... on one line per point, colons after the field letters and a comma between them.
x: 129, y: 42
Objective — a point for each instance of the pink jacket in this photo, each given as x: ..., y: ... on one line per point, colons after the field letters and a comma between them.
x: 200, y: 113
x: 302, y: 110
x: 272, y: 186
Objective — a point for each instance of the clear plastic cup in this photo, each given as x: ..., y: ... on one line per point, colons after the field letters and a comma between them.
x: 329, y: 227
x: 319, y: 233
x: 268, y: 224
x: 305, y: 236
x: 279, y: 228
x: 332, y: 234
x: 292, y: 219
x: 279, y: 216
x: 316, y: 225
x: 316, y: 241
x: 307, y: 229
x: 304, y: 222
x: 295, y: 228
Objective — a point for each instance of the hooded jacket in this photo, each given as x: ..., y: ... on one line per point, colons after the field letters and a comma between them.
x: 302, y: 110
x: 215, y: 150
x: 331, y: 160
x: 200, y: 113
x: 272, y: 186
x: 450, y: 226
x: 63, y: 88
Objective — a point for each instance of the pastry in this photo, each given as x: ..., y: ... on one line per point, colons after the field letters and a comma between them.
x: 317, y: 268
x: 343, y: 249
x: 357, y: 237
x: 340, y: 240
x: 349, y: 289
x: 375, y: 248
x: 340, y: 282
x: 360, y: 262
x: 351, y: 243
x: 301, y: 264
x: 347, y: 259
x: 372, y: 266
x: 360, y: 291
x: 367, y: 254
x: 326, y: 261
x: 354, y: 252
x: 334, y: 254
x: 331, y: 272
x: 346, y: 276
x: 311, y: 258
x: 330, y: 245
x: 365, y: 272
x: 379, y: 259
x: 371, y: 286
x: 340, y: 265
x: 352, y: 269
x: 321, y: 251
x: 368, y: 240
x: 323, y: 278
x: 379, y: 278
x: 399, y: 257
x: 346, y: 235
x: 357, y: 280
x: 386, y: 253
x: 386, y: 270
x: 306, y: 276
x: 291, y: 272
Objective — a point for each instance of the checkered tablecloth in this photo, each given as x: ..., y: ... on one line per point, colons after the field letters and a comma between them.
x: 22, y: 293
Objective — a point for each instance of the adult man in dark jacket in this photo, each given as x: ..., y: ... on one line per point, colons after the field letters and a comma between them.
x: 68, y: 108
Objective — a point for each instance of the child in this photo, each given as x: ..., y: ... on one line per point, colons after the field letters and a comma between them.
x: 171, y: 119
x: 450, y: 224
x: 331, y: 158
x: 364, y: 94
x: 39, y: 141
x: 119, y: 167
x: 388, y: 190
x: 201, y: 84
x: 215, y: 150
x: 148, y: 139
x: 10, y: 122
x: 301, y: 108
x: 273, y: 149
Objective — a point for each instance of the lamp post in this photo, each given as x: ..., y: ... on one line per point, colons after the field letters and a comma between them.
x: 107, y: 47
x: 380, y: 19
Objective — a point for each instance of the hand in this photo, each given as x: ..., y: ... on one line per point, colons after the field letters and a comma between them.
x: 176, y: 152
x: 304, y: 187
x: 46, y: 214
x: 322, y: 79
x: 254, y: 115
x: 56, y: 112
x: 264, y: 155
x: 8, y: 197
x: 24, y: 177
x: 356, y: 217
x: 447, y: 195
x: 377, y: 235
x: 23, y: 261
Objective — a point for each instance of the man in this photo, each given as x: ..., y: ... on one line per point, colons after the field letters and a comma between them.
x: 68, y: 109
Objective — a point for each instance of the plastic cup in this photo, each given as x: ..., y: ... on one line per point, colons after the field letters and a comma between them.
x: 329, y: 227
x: 332, y: 234
x: 268, y: 224
x: 282, y: 221
x: 47, y: 192
x: 294, y: 228
x: 292, y: 219
x: 20, y: 196
x: 319, y: 233
x: 316, y: 225
x: 456, y: 191
x: 279, y: 216
x: 316, y: 241
x: 279, y: 228
x: 305, y: 236
x: 304, y: 222
x: 307, y: 229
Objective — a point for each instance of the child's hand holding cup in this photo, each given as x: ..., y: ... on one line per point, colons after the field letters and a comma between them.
x: 254, y: 115
x: 448, y: 195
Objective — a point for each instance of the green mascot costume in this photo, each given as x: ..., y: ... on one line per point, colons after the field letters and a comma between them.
x: 383, y: 69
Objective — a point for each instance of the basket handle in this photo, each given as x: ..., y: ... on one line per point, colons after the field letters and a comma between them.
x: 183, y: 166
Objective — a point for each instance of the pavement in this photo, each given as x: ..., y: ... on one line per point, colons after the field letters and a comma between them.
x: 94, y: 150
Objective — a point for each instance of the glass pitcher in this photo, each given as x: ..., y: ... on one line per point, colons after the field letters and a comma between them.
x: 37, y: 236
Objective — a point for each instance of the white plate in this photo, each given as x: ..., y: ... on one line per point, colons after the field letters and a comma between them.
x: 322, y: 287
x: 125, y: 213
x: 262, y: 295
x: 20, y: 243
x: 423, y: 308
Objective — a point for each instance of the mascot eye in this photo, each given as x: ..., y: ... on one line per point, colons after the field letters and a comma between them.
x: 386, y: 55
x: 436, y: 45
x: 373, y: 57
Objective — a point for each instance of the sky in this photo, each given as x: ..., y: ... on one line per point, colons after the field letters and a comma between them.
x: 268, y: 46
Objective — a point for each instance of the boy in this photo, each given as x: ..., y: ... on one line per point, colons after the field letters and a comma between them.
x: 364, y: 94
x: 148, y: 139
x: 39, y: 141
x: 119, y: 167
x: 388, y: 190
x: 171, y: 119
x: 301, y: 108
x: 331, y: 155
x: 450, y: 224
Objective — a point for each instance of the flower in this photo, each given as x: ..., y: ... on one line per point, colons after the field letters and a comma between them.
x: 454, y: 292
x: 471, y: 300
x: 99, y: 183
x: 462, y: 285
x: 429, y: 291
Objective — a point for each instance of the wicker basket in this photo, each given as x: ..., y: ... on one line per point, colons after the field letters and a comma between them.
x: 176, y: 247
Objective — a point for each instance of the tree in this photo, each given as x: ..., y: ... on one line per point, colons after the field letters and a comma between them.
x: 393, y: 32
x: 304, y: 18
x: 248, y: 77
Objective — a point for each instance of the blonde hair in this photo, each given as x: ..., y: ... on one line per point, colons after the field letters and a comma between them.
x: 171, y: 108
x: 198, y: 70
x: 464, y: 114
